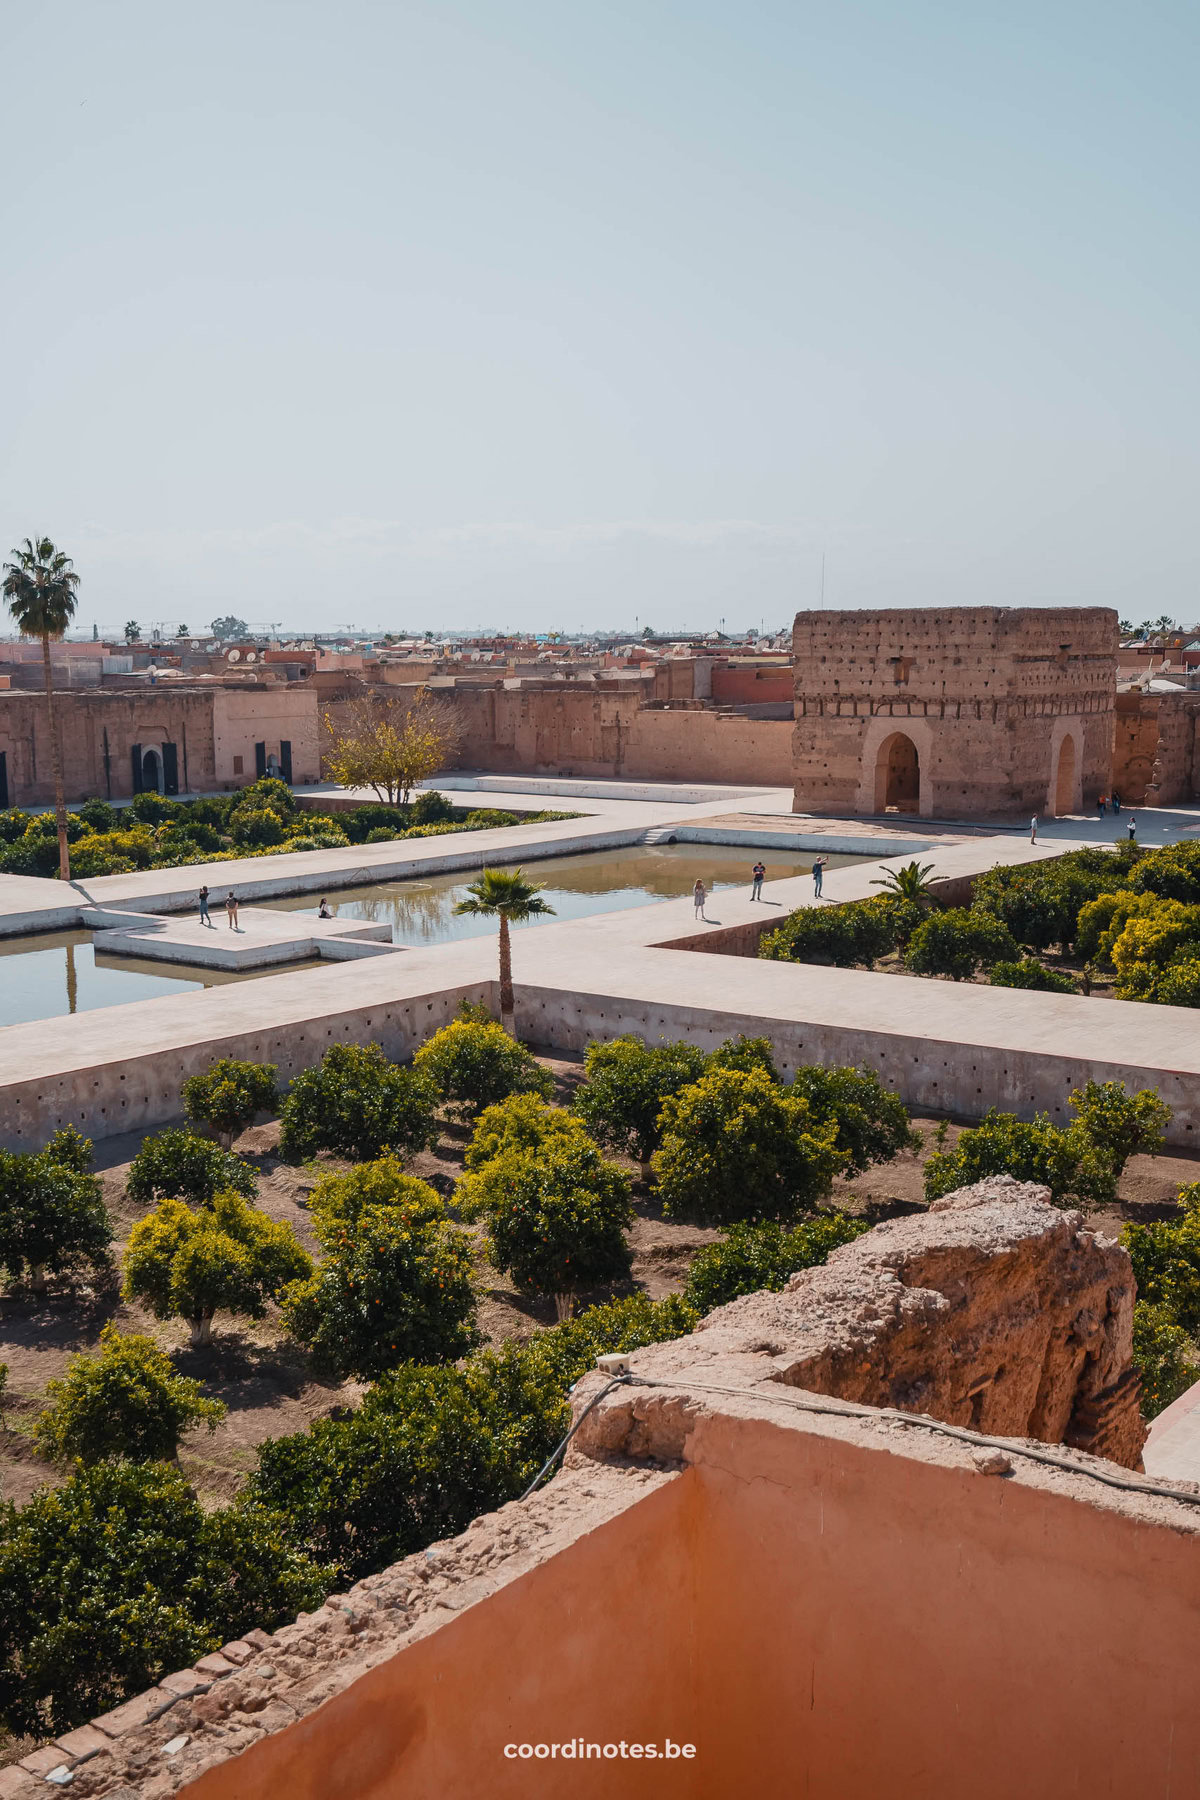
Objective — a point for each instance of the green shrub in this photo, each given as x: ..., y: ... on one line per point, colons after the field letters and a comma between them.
x: 13, y: 825
x: 149, y: 808
x: 127, y: 1401
x: 625, y: 1085
x: 357, y: 1104
x: 36, y: 856
x: 871, y: 1121
x: 98, y: 815
x: 337, y: 1201
x: 1172, y: 872
x: 1164, y: 1357
x: 737, y: 1147
x: 92, y: 857
x: 473, y: 1064
x: 957, y: 942
x: 256, y: 829
x: 361, y: 822
x: 522, y: 1122
x: 1093, y: 937
x: 744, y: 1052
x: 1166, y: 1261
x: 1063, y: 1160
x: 429, y: 807
x: 556, y: 1218
x: 751, y: 1258
x: 853, y: 935
x: 230, y: 1096
x: 1029, y: 973
x: 267, y: 794
x: 1038, y: 910
x: 52, y: 1215
x: 154, y: 1583
x: 482, y: 818
x: 229, y: 1257
x: 394, y: 1285
x: 179, y: 1165
x: 45, y: 825
x: 1179, y: 984
x: 70, y: 1149
x: 431, y: 1448
x: 1121, y: 1125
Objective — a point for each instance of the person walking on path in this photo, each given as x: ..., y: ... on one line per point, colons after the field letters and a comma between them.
x: 818, y: 873
x: 760, y: 875
x: 1116, y: 801
x: 1102, y: 803
x: 1033, y: 829
x: 1133, y: 828
x: 203, y: 897
x: 231, y: 911
x: 699, y: 896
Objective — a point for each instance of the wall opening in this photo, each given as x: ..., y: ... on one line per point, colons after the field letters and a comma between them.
x: 151, y: 773
x: 1064, y: 785
x: 897, y: 775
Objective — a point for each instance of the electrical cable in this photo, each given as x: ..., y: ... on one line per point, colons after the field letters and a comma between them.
x: 851, y: 1409
x: 617, y: 1381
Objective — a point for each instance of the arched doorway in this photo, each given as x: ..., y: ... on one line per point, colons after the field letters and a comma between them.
x: 897, y: 775
x: 1064, y: 780
x: 151, y: 772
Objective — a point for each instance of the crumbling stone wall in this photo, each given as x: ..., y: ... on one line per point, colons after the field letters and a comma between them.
x: 994, y: 1311
x: 1154, y: 747
x: 987, y: 702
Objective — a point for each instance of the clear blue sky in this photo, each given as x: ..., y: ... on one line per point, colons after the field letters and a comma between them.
x: 553, y: 314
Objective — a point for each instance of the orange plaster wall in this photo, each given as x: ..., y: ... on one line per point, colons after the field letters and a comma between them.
x: 593, y: 1644
x: 821, y: 1619
x: 883, y: 1626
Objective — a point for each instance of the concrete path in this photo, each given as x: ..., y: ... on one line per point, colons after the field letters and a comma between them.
x: 1173, y: 1447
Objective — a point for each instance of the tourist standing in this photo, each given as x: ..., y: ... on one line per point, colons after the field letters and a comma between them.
x: 1103, y: 803
x: 203, y: 898
x: 1133, y: 828
x: 1033, y: 829
x: 231, y: 910
x: 1116, y: 801
x: 760, y: 875
x: 818, y: 872
x: 699, y: 896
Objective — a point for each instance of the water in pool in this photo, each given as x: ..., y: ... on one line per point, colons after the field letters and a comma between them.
x: 57, y: 972
x: 45, y: 976
x: 421, y: 910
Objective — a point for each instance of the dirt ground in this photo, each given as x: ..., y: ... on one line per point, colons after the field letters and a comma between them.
x: 264, y: 1379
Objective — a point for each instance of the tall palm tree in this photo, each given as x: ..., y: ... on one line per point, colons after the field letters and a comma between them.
x: 40, y: 587
x: 910, y: 882
x: 505, y: 894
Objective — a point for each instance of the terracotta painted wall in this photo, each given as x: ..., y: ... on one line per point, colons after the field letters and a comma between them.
x: 875, y: 1625
x: 595, y: 1643
x: 243, y: 717
x: 541, y: 732
x: 149, y: 716
x: 821, y: 1615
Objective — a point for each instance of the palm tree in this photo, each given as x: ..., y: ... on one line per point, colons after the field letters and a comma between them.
x: 40, y: 587
x: 505, y: 894
x: 911, y: 882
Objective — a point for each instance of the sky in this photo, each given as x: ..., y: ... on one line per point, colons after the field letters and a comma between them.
x: 548, y: 316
